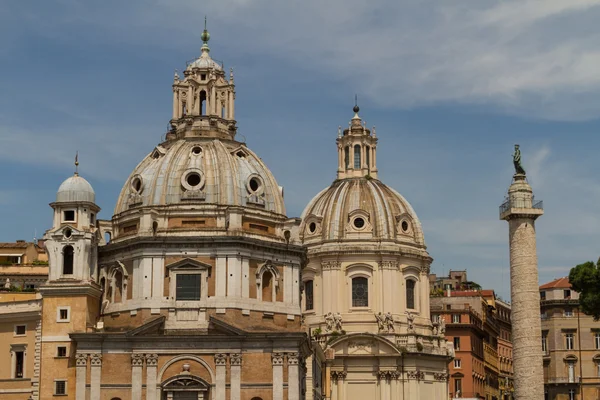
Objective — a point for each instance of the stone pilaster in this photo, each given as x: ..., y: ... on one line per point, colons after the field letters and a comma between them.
x: 221, y: 370
x: 96, y: 375
x: 81, y: 360
x: 235, y: 361
x: 151, y: 364
x: 137, y: 364
x: 293, y: 376
x: 277, y: 360
x: 37, y: 357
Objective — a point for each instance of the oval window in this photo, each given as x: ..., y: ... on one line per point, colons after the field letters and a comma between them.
x: 68, y: 233
x: 312, y: 227
x: 193, y: 179
x: 197, y: 150
x: 404, y: 226
x: 136, y: 184
x: 359, y: 223
x: 254, y: 184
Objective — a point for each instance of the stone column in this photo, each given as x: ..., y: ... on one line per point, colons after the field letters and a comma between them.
x: 151, y: 364
x: 293, y: 377
x: 277, y: 359
x: 235, y: 361
x: 80, y: 375
x: 175, y: 104
x: 137, y: 363
x: 232, y: 105
x: 221, y: 367
x: 521, y: 212
x: 96, y: 376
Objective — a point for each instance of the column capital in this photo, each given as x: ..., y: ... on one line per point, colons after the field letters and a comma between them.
x: 235, y: 359
x: 330, y: 265
x: 293, y: 358
x: 151, y: 360
x: 137, y: 360
x: 277, y: 358
x: 338, y: 375
x: 96, y: 359
x: 220, y: 359
x: 81, y: 359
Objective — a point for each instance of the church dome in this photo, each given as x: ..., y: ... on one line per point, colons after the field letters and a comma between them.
x: 204, y: 62
x: 201, y: 171
x: 75, y: 189
x: 360, y: 208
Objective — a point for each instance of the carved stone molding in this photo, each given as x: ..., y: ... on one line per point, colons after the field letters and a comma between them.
x: 418, y: 375
x: 425, y: 269
x: 137, y: 360
x: 235, y: 359
x: 330, y: 265
x: 151, y: 360
x: 338, y: 375
x: 277, y: 358
x: 96, y: 359
x: 293, y: 358
x: 220, y: 359
x: 441, y: 376
x: 392, y: 265
x: 81, y: 359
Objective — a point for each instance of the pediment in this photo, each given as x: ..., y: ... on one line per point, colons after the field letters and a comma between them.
x: 240, y: 152
x: 189, y: 264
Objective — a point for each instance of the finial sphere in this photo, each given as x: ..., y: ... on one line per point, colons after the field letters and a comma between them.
x: 205, y: 37
x: 356, y: 109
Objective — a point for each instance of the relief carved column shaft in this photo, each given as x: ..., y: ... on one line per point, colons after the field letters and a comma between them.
x: 80, y: 375
x: 151, y: 365
x: 293, y: 377
x: 96, y: 376
x: 235, y: 360
x: 137, y: 363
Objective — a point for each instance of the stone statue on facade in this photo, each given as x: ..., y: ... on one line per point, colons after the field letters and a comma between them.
x: 380, y: 321
x: 337, y: 321
x: 389, y: 322
x: 329, y: 321
x: 7, y: 284
x: 410, y: 318
x: 442, y: 327
x: 519, y: 170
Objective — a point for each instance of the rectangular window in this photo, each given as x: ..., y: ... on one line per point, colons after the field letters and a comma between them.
x: 69, y: 216
x: 456, y: 343
x: 567, y: 293
x: 456, y: 318
x: 19, y: 364
x: 308, y: 290
x: 569, y: 341
x: 597, y: 340
x: 61, y: 351
x: 20, y: 330
x: 457, y: 387
x: 543, y: 295
x: 188, y: 287
x: 62, y: 314
x: 360, y: 292
x: 60, y: 387
x: 92, y: 219
x: 544, y: 343
x: 568, y: 312
x: 457, y: 363
x: 571, y: 372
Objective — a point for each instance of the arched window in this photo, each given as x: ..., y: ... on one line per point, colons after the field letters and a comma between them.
x: 308, y: 294
x: 118, y: 286
x: 347, y: 156
x: 68, y: 260
x: 410, y: 294
x: 357, y: 156
x: 107, y: 237
x: 267, y: 286
x: 360, y: 292
x: 202, y: 102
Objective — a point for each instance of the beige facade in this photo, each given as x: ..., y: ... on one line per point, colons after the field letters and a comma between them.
x: 23, y: 265
x: 366, y: 288
x: 570, y: 344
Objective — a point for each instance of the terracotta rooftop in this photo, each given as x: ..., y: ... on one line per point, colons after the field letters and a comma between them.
x: 472, y: 293
x: 14, y: 245
x: 560, y: 283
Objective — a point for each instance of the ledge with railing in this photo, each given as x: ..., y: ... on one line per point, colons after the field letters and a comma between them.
x: 521, y: 203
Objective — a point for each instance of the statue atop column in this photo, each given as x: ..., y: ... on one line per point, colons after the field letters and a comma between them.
x: 519, y: 170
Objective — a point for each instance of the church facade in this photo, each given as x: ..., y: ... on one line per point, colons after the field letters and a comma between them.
x: 200, y: 287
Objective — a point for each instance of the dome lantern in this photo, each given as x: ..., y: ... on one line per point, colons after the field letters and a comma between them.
x: 357, y: 150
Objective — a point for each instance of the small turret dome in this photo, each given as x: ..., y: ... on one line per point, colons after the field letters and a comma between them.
x: 75, y: 189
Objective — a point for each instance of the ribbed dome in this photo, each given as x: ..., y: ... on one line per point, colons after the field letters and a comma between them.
x: 75, y: 189
x: 206, y: 171
x: 204, y: 61
x: 360, y: 208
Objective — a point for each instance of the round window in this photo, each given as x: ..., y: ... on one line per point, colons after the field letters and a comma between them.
x: 136, y: 184
x: 312, y: 227
x: 254, y: 184
x: 193, y: 179
x: 68, y: 233
x: 197, y: 150
x: 359, y: 223
x: 404, y: 226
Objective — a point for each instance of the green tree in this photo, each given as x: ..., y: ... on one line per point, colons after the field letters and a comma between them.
x: 585, y: 279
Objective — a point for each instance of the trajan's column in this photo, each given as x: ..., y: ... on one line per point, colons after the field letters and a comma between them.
x: 521, y: 210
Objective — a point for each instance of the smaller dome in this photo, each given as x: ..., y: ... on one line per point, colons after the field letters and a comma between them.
x: 204, y: 62
x: 75, y: 189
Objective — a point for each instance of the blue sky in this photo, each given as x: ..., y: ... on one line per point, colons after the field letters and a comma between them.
x: 450, y: 86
